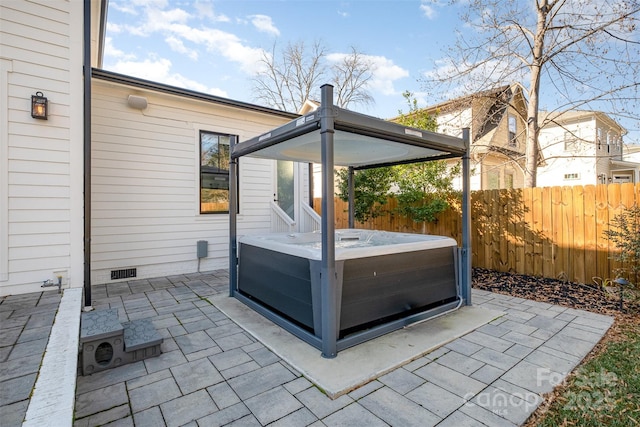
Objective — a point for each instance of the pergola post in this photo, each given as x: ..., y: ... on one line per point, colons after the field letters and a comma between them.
x: 465, y: 279
x: 328, y: 291
x: 233, y: 211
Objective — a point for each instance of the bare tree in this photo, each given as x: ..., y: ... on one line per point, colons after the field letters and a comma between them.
x: 351, y: 74
x: 294, y: 74
x: 584, y: 54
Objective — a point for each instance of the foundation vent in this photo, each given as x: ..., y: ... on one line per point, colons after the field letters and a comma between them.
x: 123, y: 274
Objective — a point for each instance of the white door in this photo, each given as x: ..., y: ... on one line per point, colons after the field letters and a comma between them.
x: 285, y: 194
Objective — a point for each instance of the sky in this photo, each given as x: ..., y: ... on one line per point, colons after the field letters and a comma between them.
x: 215, y: 46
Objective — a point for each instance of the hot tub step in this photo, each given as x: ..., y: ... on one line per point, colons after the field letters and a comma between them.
x: 107, y: 343
x: 141, y: 340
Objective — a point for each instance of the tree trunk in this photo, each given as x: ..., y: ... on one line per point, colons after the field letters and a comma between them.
x: 533, y: 128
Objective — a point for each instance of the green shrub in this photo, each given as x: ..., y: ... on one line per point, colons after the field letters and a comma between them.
x: 624, y: 233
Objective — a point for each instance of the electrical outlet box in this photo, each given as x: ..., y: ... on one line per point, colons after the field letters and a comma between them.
x: 203, y: 249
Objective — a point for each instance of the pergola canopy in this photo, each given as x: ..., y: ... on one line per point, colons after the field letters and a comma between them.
x: 360, y: 141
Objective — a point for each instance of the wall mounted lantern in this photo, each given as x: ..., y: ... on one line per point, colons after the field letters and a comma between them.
x: 39, y: 106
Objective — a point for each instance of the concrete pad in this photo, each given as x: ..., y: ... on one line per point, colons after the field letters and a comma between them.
x: 364, y: 362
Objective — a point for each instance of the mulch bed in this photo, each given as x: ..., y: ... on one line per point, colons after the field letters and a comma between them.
x: 553, y: 291
x: 567, y: 294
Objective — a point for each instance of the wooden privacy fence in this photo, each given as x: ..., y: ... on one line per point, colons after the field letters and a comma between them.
x: 554, y: 232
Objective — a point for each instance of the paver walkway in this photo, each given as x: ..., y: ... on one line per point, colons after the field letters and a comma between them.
x: 25, y: 325
x: 212, y: 373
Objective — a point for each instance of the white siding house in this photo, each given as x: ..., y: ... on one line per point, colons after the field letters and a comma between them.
x: 146, y: 178
x: 145, y: 196
x: 41, y: 161
x: 583, y: 148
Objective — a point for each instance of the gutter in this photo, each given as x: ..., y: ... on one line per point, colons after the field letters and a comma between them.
x: 122, y: 79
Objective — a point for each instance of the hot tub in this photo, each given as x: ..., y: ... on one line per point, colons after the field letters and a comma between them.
x: 381, y: 276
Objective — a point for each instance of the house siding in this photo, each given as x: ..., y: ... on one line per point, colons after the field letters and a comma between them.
x: 40, y: 161
x: 145, y: 182
x: 589, y: 159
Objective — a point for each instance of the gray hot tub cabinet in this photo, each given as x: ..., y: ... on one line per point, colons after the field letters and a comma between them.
x: 371, y: 290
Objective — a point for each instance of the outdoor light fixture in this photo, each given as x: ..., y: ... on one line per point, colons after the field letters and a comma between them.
x: 621, y: 282
x: 39, y: 106
x: 137, y: 102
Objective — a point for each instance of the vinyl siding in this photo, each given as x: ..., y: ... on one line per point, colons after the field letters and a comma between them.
x: 145, y: 182
x: 40, y: 161
x: 581, y: 160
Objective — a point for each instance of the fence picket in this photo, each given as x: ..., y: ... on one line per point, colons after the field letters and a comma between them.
x: 548, y: 232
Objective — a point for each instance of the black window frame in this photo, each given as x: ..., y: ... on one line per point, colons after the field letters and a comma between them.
x: 216, y: 172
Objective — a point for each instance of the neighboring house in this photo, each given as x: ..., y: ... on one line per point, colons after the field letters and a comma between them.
x: 153, y: 164
x: 631, y: 153
x: 496, y: 119
x: 582, y: 148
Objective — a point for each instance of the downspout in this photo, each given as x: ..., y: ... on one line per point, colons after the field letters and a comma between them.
x: 87, y: 155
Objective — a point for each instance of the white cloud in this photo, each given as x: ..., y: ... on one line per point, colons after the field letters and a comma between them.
x: 148, y: 3
x: 124, y: 7
x: 178, y: 46
x: 159, y: 20
x: 111, y: 51
x: 428, y: 11
x: 384, y: 72
x: 205, y: 10
x: 174, y: 25
x: 263, y: 23
x: 159, y: 70
x: 226, y: 44
x: 114, y: 28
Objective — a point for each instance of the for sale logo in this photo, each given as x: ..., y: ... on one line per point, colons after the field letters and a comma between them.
x: 593, y: 392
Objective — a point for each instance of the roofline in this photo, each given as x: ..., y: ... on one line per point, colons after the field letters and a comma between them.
x: 468, y: 98
x: 576, y: 115
x: 112, y: 77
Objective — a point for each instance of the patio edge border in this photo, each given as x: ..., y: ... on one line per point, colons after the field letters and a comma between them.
x: 53, y: 396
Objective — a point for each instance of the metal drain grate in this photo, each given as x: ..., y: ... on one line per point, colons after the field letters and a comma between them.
x: 123, y: 274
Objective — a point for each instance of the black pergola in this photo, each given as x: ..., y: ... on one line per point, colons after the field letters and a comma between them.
x: 333, y: 137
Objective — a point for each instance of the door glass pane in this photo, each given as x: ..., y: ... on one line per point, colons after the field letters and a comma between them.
x: 285, y: 195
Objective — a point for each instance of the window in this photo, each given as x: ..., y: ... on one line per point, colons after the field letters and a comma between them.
x: 513, y: 131
x: 493, y: 180
x: 570, y: 141
x: 508, y: 180
x: 571, y: 176
x: 214, y: 172
x: 600, y: 138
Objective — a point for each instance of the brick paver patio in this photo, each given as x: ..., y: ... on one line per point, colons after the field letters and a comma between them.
x: 213, y: 373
